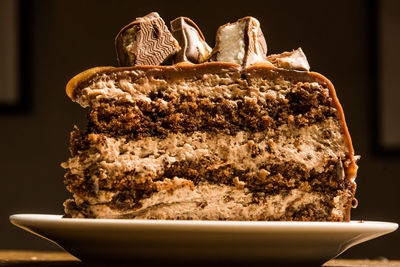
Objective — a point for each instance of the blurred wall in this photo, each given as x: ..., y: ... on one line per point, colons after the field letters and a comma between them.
x: 71, y: 36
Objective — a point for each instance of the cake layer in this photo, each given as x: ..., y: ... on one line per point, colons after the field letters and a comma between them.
x: 186, y: 110
x: 223, y: 202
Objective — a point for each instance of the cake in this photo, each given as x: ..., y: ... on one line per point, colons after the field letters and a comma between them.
x: 181, y: 131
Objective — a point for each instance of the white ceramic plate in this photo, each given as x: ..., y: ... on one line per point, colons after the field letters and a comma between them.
x: 107, y: 239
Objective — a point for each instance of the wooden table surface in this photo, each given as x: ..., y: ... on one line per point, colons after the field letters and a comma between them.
x: 55, y: 258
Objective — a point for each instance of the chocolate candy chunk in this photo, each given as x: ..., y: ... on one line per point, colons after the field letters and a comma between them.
x: 241, y: 42
x: 294, y: 60
x: 194, y: 48
x: 145, y: 41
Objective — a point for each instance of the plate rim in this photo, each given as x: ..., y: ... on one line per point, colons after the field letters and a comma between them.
x: 17, y: 219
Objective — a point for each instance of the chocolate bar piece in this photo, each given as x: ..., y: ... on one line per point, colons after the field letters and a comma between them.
x: 294, y: 60
x: 145, y: 41
x: 194, y: 48
x: 241, y: 42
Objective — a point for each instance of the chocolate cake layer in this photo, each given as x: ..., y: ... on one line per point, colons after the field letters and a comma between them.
x: 170, y: 111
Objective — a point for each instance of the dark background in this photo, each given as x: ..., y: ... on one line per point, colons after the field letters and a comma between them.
x: 63, y: 38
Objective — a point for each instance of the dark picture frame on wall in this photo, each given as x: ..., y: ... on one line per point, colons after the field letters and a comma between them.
x: 15, y: 52
x: 384, y: 27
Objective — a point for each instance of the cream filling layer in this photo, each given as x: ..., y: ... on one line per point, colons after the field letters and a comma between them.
x: 148, y: 156
x: 216, y: 202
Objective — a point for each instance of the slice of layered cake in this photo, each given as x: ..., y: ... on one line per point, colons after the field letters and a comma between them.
x: 228, y: 134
